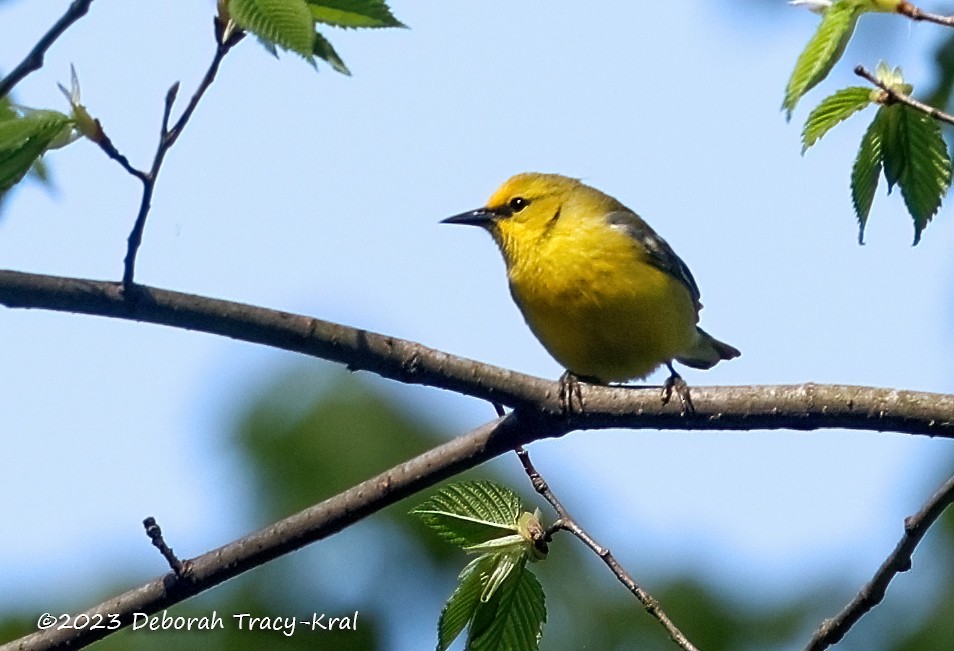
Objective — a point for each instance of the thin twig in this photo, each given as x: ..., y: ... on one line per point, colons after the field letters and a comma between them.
x: 833, y: 630
x: 892, y: 95
x: 155, y: 535
x: 224, y: 40
x: 912, y: 12
x: 800, y: 407
x: 34, y: 60
x: 567, y: 523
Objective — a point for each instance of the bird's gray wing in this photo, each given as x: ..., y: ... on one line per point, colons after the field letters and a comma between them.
x: 660, y: 253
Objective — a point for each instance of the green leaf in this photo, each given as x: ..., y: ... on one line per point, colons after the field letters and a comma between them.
x: 823, y: 50
x: 503, y: 568
x: 893, y: 144
x: 832, y: 110
x: 509, y: 618
x: 471, y: 513
x: 866, y: 171
x: 926, y: 177
x: 25, y: 139
x: 908, y: 145
x: 6, y: 109
x: 286, y: 23
x: 353, y: 13
x: 326, y: 53
x: 460, y: 608
x: 514, y: 620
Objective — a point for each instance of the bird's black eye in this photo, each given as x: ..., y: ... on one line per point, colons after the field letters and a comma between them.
x: 518, y: 203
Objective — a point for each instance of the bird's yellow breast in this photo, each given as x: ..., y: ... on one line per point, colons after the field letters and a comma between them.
x: 593, y: 299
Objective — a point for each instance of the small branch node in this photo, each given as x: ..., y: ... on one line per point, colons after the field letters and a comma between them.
x: 155, y: 535
x: 893, y: 96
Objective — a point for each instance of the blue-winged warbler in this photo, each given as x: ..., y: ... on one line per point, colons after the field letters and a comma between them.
x: 606, y: 296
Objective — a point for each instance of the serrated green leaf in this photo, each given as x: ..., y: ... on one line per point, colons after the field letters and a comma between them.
x: 893, y: 144
x: 907, y: 144
x: 270, y: 47
x: 927, y: 174
x: 353, y: 13
x: 23, y: 140
x: 326, y: 53
x: 865, y: 173
x: 823, y: 50
x: 286, y: 23
x: 513, y: 620
x: 471, y: 513
x: 832, y: 110
x: 460, y: 608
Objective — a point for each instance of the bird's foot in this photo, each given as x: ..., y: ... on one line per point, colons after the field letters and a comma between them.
x: 675, y: 383
x: 571, y: 396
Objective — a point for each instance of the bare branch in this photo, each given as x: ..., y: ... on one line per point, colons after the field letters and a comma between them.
x: 34, y: 60
x: 798, y: 407
x: 894, y: 96
x: 833, y: 630
x: 314, y: 523
x: 567, y: 523
x: 224, y: 40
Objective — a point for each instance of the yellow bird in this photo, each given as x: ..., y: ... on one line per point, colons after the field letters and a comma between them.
x: 606, y: 296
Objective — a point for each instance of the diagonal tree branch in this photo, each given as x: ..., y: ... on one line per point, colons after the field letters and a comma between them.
x: 833, y: 630
x: 567, y: 523
x: 798, y: 407
x: 314, y: 523
x: 894, y: 96
x: 34, y: 60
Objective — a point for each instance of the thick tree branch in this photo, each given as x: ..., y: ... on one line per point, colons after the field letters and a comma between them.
x: 34, y: 60
x: 833, y: 630
x: 314, y: 523
x: 538, y: 414
x: 567, y: 523
x: 798, y: 407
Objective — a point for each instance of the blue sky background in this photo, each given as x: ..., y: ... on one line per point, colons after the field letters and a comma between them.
x: 321, y: 194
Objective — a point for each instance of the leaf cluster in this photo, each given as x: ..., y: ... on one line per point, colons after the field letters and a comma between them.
x: 291, y: 24
x: 902, y: 143
x: 497, y: 597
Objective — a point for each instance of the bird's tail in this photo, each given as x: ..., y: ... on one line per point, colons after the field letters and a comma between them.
x: 707, y: 351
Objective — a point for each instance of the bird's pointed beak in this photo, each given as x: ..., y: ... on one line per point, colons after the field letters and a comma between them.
x: 481, y: 217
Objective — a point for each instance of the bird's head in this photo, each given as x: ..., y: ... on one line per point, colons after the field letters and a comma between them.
x: 527, y: 207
